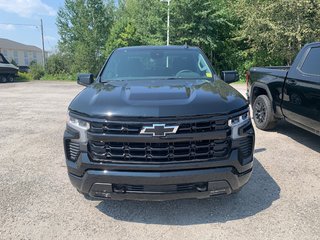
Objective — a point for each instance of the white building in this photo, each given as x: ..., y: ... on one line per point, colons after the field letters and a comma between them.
x: 22, y: 54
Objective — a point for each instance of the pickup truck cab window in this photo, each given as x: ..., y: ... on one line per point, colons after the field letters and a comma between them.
x: 311, y: 64
x: 130, y: 64
x: 2, y: 59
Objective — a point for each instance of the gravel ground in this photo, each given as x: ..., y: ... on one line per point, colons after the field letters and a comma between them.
x: 281, y: 201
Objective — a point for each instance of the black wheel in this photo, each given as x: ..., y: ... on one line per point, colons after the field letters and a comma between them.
x: 3, y: 79
x: 11, y: 79
x: 263, y: 115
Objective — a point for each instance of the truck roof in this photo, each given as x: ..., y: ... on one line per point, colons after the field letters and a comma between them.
x: 311, y: 44
x: 161, y: 47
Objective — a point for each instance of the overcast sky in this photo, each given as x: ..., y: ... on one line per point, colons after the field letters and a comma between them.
x: 29, y: 12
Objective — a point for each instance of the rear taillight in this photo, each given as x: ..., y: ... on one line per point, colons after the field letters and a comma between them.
x: 247, y: 78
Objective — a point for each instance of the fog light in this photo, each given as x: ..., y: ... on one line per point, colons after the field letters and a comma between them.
x: 201, y: 188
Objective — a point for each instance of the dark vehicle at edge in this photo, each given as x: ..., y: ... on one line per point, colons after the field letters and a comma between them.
x: 290, y: 93
x: 8, y: 71
x: 158, y: 124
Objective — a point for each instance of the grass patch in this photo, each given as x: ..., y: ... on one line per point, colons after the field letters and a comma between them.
x: 59, y: 77
x: 26, y: 77
x: 23, y: 77
x: 241, y: 81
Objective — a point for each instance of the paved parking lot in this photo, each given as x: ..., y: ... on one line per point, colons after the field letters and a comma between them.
x: 282, y: 200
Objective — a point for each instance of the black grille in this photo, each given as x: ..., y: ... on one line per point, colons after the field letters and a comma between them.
x: 127, y: 149
x: 189, y: 187
x: 246, y: 147
x: 135, y: 128
x: 73, y: 150
x: 158, y: 152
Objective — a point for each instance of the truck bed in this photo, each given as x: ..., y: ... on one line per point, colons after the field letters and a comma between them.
x: 273, y: 71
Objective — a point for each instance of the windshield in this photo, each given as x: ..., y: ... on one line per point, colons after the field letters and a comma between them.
x: 129, y: 64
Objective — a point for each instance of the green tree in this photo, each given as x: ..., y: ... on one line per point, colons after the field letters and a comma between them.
x: 57, y: 64
x: 137, y: 22
x: 36, y: 70
x: 122, y: 34
x: 208, y: 24
x: 83, y: 26
x: 204, y: 23
x: 276, y: 30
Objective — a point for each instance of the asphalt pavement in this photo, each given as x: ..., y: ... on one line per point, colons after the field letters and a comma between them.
x: 37, y: 201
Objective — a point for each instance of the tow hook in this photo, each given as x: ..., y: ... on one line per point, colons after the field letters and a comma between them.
x: 119, y: 189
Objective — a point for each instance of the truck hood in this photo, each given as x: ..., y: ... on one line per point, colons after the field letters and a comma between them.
x: 157, y: 98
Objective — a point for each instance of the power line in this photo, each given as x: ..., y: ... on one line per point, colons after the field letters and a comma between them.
x: 36, y: 26
x: 20, y: 24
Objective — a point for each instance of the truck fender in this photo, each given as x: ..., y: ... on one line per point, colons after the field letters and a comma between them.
x: 261, y: 86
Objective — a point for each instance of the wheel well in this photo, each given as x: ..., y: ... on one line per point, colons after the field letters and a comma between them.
x: 257, y: 91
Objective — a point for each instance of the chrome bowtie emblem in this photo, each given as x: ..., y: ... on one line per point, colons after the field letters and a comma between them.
x: 159, y: 130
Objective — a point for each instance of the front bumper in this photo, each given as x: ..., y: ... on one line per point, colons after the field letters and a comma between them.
x: 112, y: 183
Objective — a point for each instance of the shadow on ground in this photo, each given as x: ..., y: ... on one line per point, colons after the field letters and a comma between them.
x: 256, y: 196
x: 300, y: 135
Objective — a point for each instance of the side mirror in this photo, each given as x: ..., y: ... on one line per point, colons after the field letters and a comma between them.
x: 230, y: 76
x: 85, y: 79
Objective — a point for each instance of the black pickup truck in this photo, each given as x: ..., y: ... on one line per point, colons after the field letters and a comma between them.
x: 8, y: 71
x: 158, y: 124
x: 290, y: 93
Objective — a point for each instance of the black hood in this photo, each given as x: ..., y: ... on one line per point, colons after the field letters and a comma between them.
x: 157, y: 98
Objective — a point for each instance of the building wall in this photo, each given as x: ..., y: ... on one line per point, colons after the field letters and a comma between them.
x: 22, y: 57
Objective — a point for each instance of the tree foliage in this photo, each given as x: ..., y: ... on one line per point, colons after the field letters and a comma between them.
x: 84, y: 27
x: 36, y: 70
x: 57, y: 64
x: 138, y: 22
x: 234, y: 34
x: 208, y: 24
x: 276, y: 30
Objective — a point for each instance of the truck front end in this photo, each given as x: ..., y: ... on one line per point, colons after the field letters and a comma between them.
x: 159, y: 140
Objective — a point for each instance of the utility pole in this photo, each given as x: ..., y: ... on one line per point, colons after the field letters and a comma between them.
x: 168, y: 24
x: 43, y: 52
x: 168, y: 21
x: 37, y: 27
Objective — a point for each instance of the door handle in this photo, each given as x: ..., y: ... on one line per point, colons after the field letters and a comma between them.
x: 292, y: 82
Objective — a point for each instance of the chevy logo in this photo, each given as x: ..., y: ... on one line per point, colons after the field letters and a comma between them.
x: 159, y: 130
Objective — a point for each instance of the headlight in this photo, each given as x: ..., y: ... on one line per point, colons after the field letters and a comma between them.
x: 78, y: 123
x: 236, y: 122
x: 239, y: 119
x: 81, y: 126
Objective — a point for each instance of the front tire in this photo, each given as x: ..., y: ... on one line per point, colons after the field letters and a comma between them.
x: 263, y: 115
x: 11, y: 78
x: 3, y: 79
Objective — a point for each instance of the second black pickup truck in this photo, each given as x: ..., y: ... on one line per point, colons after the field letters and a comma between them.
x: 158, y: 124
x: 290, y: 93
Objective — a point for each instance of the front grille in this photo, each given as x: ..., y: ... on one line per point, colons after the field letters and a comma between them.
x: 246, y: 145
x: 135, y: 128
x: 158, y: 152
x: 73, y: 150
x: 122, y: 145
